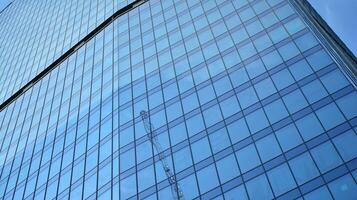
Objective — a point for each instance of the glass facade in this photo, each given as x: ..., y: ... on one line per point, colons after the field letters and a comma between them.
x: 35, y: 33
x: 243, y: 101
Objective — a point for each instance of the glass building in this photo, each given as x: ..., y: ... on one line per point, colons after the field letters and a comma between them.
x: 173, y: 99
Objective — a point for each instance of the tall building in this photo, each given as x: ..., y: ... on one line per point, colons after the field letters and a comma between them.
x: 174, y: 99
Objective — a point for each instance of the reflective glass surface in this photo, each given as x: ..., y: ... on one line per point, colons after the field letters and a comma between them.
x: 243, y: 101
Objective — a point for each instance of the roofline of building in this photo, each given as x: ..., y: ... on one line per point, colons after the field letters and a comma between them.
x: 342, y: 54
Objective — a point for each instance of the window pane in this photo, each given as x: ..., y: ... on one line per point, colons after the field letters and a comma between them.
x: 268, y: 148
x: 303, y: 168
x: 330, y: 116
x: 227, y: 168
x: 258, y: 188
x: 281, y: 185
x: 207, y: 178
x: 309, y: 126
x: 346, y: 145
x: 288, y: 137
x: 248, y: 158
x: 343, y: 188
x: 321, y: 193
x: 326, y: 157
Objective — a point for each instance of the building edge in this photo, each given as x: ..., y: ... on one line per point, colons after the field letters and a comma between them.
x: 71, y: 51
x: 336, y: 48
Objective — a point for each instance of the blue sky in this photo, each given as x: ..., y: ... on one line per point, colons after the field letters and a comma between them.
x: 341, y: 15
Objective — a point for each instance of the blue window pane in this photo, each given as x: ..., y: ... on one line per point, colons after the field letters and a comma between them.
x: 272, y: 59
x: 268, y: 148
x: 185, y: 84
x: 127, y: 160
x: 212, y: 115
x: 227, y: 168
x: 309, y: 126
x: 248, y: 158
x: 346, y: 145
x: 200, y: 150
x: 278, y: 34
x: 247, y: 97
x: 300, y: 70
x: 224, y: 43
x: 229, y: 106
x: 220, y: 197
x: 182, y: 159
x: 200, y: 75
x: 232, y: 21
x: 306, y: 42
x: 259, y: 189
x: 254, y: 27
x: 276, y: 111
x: 195, y: 58
x: 170, y: 91
x: 288, y: 51
x: 246, y: 14
x: 294, y: 26
x: 268, y: 20
x: 216, y: 67
x: 330, y: 116
x: 189, y: 187
x: 146, y: 178
x: 238, y: 130
x: 288, y: 137
x: 265, y: 88
x: 257, y: 121
x: 347, y: 104
x: 262, y: 42
x: 295, y: 101
x: 344, y: 188
x: 155, y: 99
x: 321, y: 193
x: 195, y: 125
x: 181, y: 66
x: 319, y: 60
x: 303, y: 168
x: 239, y: 35
x: 219, y: 140
x: 255, y: 68
x: 206, y: 94
x: 334, y: 81
x: 128, y: 187
x: 247, y: 51
x: 210, y: 51
x: 238, y: 77
x: 236, y: 192
x: 190, y: 102
x: 354, y: 174
x: 173, y: 111
x: 281, y: 185
x: 240, y: 3
x: 284, y: 11
x: 326, y: 157
x: 143, y: 151
x: 282, y: 79
x: 207, y: 178
x: 222, y: 86
x: 178, y: 133
x: 218, y: 29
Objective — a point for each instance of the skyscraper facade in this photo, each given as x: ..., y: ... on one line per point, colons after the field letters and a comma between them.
x: 173, y: 99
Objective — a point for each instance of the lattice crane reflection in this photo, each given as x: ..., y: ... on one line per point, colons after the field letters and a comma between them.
x: 175, y: 188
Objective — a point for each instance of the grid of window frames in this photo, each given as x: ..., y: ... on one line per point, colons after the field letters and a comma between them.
x: 240, y: 93
x: 35, y: 33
